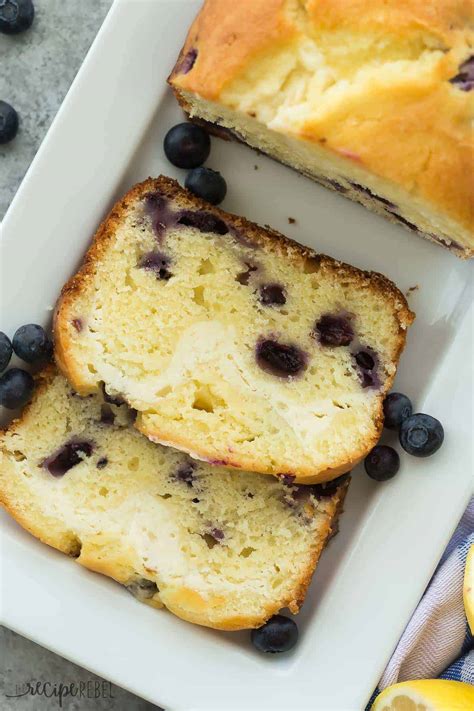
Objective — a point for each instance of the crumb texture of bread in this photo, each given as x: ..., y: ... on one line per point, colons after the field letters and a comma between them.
x: 374, y: 100
x: 207, y: 325
x: 219, y: 548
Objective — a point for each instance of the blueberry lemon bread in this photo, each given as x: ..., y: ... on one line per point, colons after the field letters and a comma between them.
x: 371, y: 99
x: 233, y: 343
x: 217, y: 547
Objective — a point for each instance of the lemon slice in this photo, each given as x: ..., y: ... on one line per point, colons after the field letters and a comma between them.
x: 468, y: 590
x: 426, y: 695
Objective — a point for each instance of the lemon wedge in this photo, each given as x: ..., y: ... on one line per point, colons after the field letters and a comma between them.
x: 426, y: 695
x: 468, y: 589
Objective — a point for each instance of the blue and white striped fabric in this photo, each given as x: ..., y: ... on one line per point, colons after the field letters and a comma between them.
x: 437, y: 641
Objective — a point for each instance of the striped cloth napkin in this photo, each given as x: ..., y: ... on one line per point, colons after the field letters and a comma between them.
x: 437, y: 641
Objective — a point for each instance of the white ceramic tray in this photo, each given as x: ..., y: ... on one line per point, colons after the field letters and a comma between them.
x: 107, y: 136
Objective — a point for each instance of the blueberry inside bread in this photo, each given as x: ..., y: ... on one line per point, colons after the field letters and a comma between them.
x: 220, y: 548
x: 231, y: 342
x: 373, y: 100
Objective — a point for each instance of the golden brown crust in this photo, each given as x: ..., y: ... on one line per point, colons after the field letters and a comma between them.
x: 337, y: 508
x: 234, y: 31
x: 42, y: 527
x: 415, y: 133
x: 288, y: 249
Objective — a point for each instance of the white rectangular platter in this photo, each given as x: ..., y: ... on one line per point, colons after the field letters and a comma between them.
x: 108, y: 135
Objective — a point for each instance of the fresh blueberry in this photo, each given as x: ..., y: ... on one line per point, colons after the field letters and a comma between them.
x: 32, y: 344
x: 280, y: 359
x: 16, y: 16
x: 187, y: 145
x: 396, y: 408
x: 279, y: 634
x: 71, y: 454
x: 272, y: 295
x: 207, y: 184
x: 8, y: 122
x: 6, y: 351
x: 16, y: 388
x: 334, y: 330
x: 421, y: 435
x: 203, y: 221
x: 382, y: 463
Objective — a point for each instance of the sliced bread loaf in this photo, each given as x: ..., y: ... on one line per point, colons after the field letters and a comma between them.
x: 220, y: 548
x: 371, y: 99
x: 233, y: 343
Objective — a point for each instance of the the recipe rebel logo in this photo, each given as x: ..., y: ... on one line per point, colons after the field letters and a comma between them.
x: 61, y: 691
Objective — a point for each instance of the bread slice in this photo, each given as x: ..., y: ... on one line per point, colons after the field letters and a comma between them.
x: 373, y: 100
x: 233, y: 343
x: 219, y: 548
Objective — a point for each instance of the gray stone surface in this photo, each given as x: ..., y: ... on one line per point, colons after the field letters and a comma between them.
x: 36, y: 70
x: 25, y: 663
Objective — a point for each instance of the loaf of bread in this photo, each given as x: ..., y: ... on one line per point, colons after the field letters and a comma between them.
x: 219, y: 548
x: 373, y: 100
x: 233, y: 343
